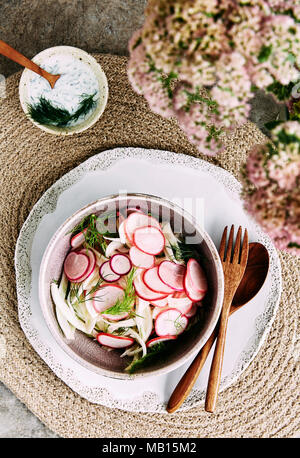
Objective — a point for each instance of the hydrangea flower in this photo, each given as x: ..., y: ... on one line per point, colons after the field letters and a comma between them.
x: 272, y: 186
x: 221, y: 49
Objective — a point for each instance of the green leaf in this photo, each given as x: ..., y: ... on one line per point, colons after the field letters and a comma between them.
x: 280, y: 91
x: 155, y: 353
x: 265, y: 53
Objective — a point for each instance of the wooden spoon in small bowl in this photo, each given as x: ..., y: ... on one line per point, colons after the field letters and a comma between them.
x: 252, y: 281
x: 14, y: 55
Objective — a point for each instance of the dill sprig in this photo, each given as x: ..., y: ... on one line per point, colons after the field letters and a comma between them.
x: 155, y: 353
x: 93, y: 228
x: 77, y: 293
x: 92, y: 236
x: 44, y: 112
x: 124, y: 305
x: 183, y: 252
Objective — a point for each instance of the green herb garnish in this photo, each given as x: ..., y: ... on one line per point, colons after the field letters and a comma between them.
x: 155, y: 353
x: 92, y: 237
x: 76, y: 293
x: 184, y: 251
x: 45, y: 113
x: 124, y: 305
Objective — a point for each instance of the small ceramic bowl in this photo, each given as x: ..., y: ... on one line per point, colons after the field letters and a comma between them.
x: 85, y: 350
x: 68, y: 51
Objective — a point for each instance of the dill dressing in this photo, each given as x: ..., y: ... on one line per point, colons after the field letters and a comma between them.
x: 77, y: 80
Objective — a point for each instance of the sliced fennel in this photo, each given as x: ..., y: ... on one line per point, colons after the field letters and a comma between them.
x: 65, y: 309
x: 143, y: 318
x: 67, y: 328
x: 63, y: 286
x: 138, y: 338
x: 171, y: 240
x: 120, y: 324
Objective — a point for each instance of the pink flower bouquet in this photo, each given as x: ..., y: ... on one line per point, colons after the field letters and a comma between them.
x: 199, y: 61
x: 272, y: 186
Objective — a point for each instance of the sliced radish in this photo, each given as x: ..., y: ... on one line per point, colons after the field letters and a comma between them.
x: 120, y: 264
x: 136, y: 220
x: 112, y: 341
x: 110, y: 317
x: 107, y: 274
x: 197, y: 275
x: 193, y: 294
x: 183, y: 304
x: 131, y: 210
x: 92, y: 257
x: 156, y: 311
x: 78, y: 239
x: 144, y: 292
x: 192, y: 311
x: 172, y: 274
x: 160, y: 302
x: 150, y: 240
x: 140, y: 259
x: 76, y: 265
x: 123, y: 237
x: 170, y: 322
x: 157, y: 340
x: 106, y: 296
x: 152, y: 281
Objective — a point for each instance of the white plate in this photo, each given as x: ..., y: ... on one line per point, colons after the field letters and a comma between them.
x: 180, y: 178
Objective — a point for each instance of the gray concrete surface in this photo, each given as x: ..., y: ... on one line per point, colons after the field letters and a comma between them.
x: 93, y: 25
x: 16, y: 421
x: 31, y: 26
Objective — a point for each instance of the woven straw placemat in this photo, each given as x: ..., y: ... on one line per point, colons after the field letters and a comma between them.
x: 262, y: 403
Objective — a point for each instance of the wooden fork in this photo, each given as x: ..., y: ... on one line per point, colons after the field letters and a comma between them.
x: 234, y: 262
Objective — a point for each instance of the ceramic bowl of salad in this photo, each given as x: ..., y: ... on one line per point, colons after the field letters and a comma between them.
x: 78, y: 98
x: 131, y: 286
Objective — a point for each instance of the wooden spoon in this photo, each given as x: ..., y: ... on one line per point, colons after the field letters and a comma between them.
x: 14, y: 55
x: 252, y: 281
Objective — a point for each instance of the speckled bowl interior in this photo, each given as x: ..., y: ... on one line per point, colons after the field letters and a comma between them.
x: 87, y: 351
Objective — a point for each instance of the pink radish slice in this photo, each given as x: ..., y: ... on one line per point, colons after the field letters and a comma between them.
x: 78, y: 239
x: 153, y: 282
x: 172, y: 274
x: 137, y: 219
x: 92, y: 257
x: 156, y: 311
x: 150, y: 240
x: 192, y: 311
x: 197, y: 275
x: 106, y: 296
x: 131, y: 210
x: 193, y: 294
x: 76, y: 265
x: 156, y: 340
x: 140, y: 259
x: 144, y: 292
x: 107, y: 274
x: 122, y: 316
x: 112, y: 341
x: 161, y: 303
x: 120, y: 264
x: 170, y: 322
x: 183, y: 304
